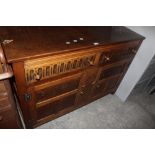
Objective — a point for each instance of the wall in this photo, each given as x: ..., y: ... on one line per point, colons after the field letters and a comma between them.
x: 149, y: 72
x: 140, y: 62
x: 146, y: 82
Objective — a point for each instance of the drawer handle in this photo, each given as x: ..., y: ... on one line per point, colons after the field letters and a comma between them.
x: 39, y: 73
x: 37, y: 76
x: 1, y: 118
x: 91, y: 63
x: 106, y: 58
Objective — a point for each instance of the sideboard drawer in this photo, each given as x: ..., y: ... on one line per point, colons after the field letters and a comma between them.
x: 48, y: 67
x: 116, y: 55
x: 56, y: 88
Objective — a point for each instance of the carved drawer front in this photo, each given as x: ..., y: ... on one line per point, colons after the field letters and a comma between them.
x: 57, y: 88
x: 52, y: 66
x: 116, y: 55
x: 56, y: 106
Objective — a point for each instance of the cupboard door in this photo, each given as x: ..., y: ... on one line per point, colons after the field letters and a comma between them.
x: 112, y: 71
x: 98, y: 89
x: 101, y: 88
x: 64, y: 103
x: 45, y: 110
x: 108, y: 79
x: 55, y: 106
x: 112, y: 83
x: 49, y: 98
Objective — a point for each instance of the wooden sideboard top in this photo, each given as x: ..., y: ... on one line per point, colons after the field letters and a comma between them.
x: 21, y: 43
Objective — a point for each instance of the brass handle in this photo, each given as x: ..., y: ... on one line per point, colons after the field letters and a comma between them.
x: 7, y: 70
x: 1, y: 118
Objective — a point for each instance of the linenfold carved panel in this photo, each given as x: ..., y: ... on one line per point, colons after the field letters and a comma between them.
x: 44, y: 68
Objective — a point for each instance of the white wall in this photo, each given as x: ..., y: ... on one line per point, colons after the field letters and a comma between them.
x: 140, y: 62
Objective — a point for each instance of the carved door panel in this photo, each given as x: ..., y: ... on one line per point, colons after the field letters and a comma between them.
x: 53, y: 97
x: 55, y: 106
x: 108, y: 79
